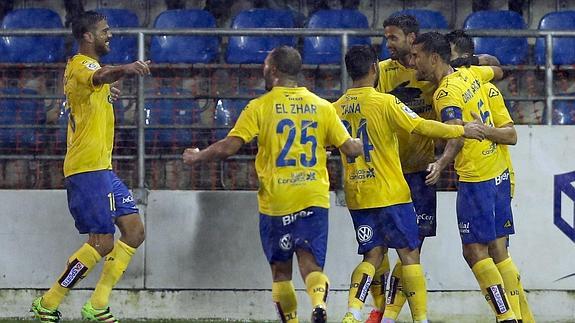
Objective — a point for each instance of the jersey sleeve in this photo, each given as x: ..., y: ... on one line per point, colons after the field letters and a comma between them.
x: 401, y: 116
x: 447, y: 106
x: 84, y: 73
x: 337, y: 135
x: 500, y: 114
x: 483, y: 73
x: 247, y: 127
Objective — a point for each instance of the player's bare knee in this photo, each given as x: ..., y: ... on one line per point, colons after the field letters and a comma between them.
x: 281, y: 271
x: 408, y: 256
x: 498, y: 250
x: 374, y: 256
x: 134, y: 237
x: 103, y: 243
x: 474, y: 252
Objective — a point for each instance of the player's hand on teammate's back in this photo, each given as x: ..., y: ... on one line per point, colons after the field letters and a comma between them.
x: 190, y: 155
x: 474, y: 129
x: 139, y: 67
x: 115, y: 91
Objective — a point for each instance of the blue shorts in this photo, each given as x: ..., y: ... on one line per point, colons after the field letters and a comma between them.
x: 393, y: 227
x: 424, y: 199
x: 306, y: 229
x: 484, y: 210
x: 96, y: 198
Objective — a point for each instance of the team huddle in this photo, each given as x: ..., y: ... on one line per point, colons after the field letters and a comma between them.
x: 433, y: 86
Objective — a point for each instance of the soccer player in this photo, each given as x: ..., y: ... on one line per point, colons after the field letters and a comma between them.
x: 484, y: 189
x: 293, y: 126
x: 462, y: 53
x: 97, y: 198
x: 376, y: 191
x: 416, y: 152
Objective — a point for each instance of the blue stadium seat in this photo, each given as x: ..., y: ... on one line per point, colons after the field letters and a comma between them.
x: 18, y: 112
x: 184, y: 49
x: 124, y: 48
x: 509, y: 50
x: 563, y: 47
x: 169, y: 112
x: 245, y: 49
x: 327, y: 50
x: 226, y: 115
x: 32, y: 49
x: 427, y: 19
x: 564, y: 112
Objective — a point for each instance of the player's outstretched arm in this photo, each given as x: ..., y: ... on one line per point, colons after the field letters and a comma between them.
x: 487, y: 60
x: 217, y: 151
x: 505, y: 135
x: 110, y: 74
x: 435, y: 129
x: 352, y: 147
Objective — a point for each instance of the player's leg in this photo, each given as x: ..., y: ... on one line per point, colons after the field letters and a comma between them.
x: 475, y: 216
x: 499, y: 251
x: 368, y: 233
x: 310, y: 247
x: 424, y: 199
x: 378, y: 290
x: 402, y: 234
x: 130, y: 224
x: 89, y: 204
x: 277, y: 243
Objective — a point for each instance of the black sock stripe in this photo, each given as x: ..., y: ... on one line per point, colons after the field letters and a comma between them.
x: 280, y: 312
x: 326, y: 291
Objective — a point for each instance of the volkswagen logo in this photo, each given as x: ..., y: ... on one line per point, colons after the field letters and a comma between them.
x: 364, y: 233
x: 285, y: 242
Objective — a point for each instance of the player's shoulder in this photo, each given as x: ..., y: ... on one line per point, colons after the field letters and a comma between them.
x: 388, y: 65
x: 491, y: 90
x: 81, y: 61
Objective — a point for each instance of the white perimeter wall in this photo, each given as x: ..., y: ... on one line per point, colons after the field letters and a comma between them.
x: 210, y: 241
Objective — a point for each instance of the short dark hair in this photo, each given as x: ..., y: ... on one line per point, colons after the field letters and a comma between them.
x: 434, y: 42
x: 358, y: 60
x: 85, y: 22
x: 407, y: 23
x: 462, y: 42
x: 286, y: 59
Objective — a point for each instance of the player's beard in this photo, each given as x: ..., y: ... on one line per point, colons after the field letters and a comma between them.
x: 101, y: 48
x: 268, y: 82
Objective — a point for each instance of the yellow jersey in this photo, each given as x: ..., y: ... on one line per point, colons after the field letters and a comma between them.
x: 90, y: 137
x: 375, y: 179
x: 457, y: 95
x: 293, y: 127
x: 501, y: 117
x: 415, y: 151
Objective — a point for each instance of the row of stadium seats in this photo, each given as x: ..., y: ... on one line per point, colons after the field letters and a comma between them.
x: 22, y: 121
x: 252, y: 49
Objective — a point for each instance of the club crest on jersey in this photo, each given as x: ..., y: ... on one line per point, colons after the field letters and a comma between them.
x: 441, y: 94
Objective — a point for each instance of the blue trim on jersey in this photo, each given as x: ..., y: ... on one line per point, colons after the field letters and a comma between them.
x: 393, y: 226
x: 424, y: 199
x: 451, y: 113
x: 306, y: 229
x: 96, y: 198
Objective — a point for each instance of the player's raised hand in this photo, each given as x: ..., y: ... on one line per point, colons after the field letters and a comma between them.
x: 139, y: 68
x: 115, y: 91
x: 190, y: 155
x: 434, y: 170
x: 474, y: 129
